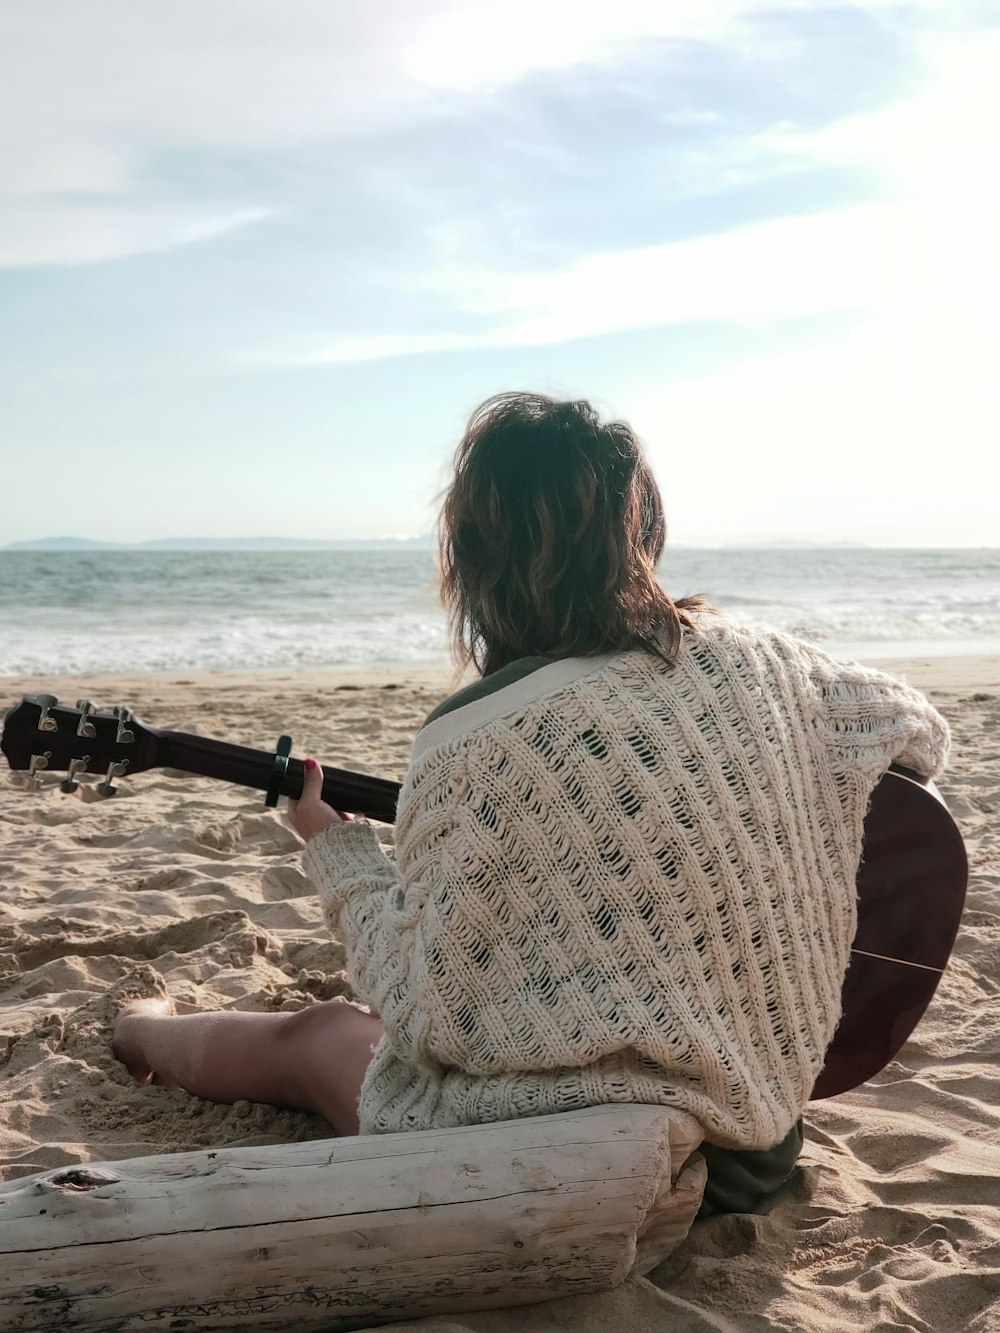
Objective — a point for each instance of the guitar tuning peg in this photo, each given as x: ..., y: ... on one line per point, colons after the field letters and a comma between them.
x: 47, y: 702
x: 115, y: 770
x: 30, y: 780
x: 124, y: 736
x: 84, y: 728
x: 69, y: 783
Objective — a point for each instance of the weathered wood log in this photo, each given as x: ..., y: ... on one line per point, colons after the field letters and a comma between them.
x: 348, y: 1233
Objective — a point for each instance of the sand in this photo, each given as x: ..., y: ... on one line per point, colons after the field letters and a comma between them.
x: 892, y: 1220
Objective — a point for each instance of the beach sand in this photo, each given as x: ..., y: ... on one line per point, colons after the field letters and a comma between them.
x: 892, y: 1220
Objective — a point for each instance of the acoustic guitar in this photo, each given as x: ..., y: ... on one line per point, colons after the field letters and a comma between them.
x: 911, y: 882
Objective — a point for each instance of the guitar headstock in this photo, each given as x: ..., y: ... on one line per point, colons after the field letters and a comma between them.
x: 42, y: 735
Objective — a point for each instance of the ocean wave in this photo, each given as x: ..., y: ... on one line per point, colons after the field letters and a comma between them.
x: 261, y: 646
x: 399, y: 641
x: 266, y: 610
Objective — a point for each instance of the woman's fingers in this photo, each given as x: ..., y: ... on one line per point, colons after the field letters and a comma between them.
x: 310, y: 814
x: 312, y: 781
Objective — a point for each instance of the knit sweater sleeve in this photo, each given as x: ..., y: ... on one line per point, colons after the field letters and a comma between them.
x: 363, y: 906
x: 872, y: 720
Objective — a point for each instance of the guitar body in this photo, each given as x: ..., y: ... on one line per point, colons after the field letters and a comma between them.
x: 911, y: 891
x: 911, y: 882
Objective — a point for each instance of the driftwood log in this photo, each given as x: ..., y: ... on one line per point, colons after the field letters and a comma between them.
x: 348, y: 1233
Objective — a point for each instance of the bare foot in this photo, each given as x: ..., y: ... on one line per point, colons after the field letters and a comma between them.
x: 130, y: 1027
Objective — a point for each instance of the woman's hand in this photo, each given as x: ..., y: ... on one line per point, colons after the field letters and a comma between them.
x: 310, y: 814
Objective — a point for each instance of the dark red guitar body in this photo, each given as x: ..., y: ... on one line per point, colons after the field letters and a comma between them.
x: 911, y: 891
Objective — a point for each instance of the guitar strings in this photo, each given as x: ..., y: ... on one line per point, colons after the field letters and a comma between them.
x: 903, y: 962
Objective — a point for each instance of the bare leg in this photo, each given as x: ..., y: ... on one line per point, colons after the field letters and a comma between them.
x: 311, y: 1060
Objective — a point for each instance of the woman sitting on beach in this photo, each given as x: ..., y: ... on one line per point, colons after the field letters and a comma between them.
x: 625, y: 857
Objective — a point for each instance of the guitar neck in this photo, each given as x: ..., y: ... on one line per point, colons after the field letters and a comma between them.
x: 354, y: 792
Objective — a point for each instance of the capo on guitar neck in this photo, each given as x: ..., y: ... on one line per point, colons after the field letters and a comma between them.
x: 284, y: 749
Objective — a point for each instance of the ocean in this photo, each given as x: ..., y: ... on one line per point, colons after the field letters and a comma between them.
x: 65, y: 611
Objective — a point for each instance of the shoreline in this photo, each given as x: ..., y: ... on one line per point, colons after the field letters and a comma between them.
x: 940, y: 671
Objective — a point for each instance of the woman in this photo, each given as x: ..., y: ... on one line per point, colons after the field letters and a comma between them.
x: 625, y: 857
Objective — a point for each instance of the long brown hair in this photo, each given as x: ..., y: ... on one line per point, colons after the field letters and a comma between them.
x: 550, y: 536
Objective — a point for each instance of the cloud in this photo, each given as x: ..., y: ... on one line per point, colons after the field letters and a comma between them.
x: 781, y: 269
x: 497, y: 42
x: 121, y: 81
x: 77, y: 232
x: 923, y: 258
x: 93, y: 96
x: 113, y: 80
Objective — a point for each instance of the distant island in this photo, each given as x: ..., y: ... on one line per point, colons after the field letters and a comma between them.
x: 793, y: 544
x: 225, y: 544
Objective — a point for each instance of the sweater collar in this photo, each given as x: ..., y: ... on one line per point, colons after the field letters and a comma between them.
x: 528, y: 690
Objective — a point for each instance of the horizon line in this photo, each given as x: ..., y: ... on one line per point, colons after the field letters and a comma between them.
x: 70, y: 545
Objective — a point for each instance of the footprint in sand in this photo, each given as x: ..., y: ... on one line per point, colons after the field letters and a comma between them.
x: 890, y: 1153
x: 179, y: 937
x: 53, y: 816
x: 267, y: 834
x: 281, y: 882
x: 163, y: 880
x: 26, y: 1050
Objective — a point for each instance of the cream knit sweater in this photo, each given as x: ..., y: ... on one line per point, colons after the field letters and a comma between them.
x: 619, y: 880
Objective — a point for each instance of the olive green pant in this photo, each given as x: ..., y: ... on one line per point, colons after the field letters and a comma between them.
x: 741, y: 1180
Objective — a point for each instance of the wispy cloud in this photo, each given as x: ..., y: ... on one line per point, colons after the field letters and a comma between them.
x: 496, y: 42
x: 76, y: 232
x: 775, y: 270
x: 921, y: 249
x: 93, y: 98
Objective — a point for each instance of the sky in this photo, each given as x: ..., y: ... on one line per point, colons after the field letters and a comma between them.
x: 259, y: 262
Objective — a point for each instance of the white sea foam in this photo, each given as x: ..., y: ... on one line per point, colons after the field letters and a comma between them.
x: 136, y: 611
